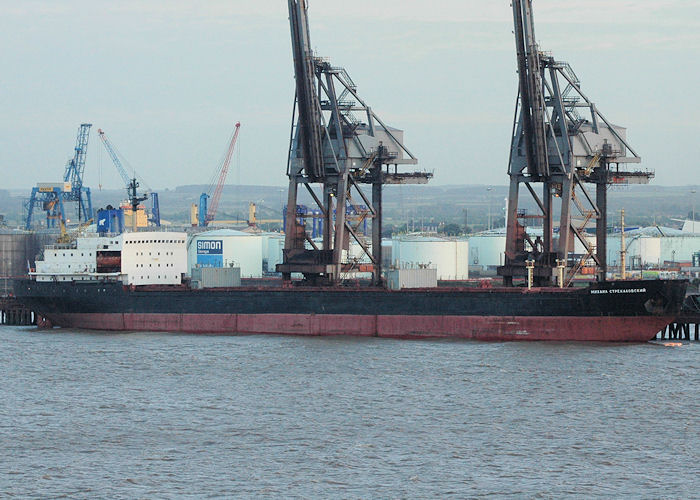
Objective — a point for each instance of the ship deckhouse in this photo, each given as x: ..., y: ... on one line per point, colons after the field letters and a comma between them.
x: 141, y: 258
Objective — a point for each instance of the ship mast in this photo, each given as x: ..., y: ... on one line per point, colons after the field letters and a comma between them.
x: 561, y: 145
x: 339, y: 145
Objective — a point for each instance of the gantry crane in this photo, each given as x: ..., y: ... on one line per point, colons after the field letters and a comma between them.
x: 52, y: 196
x: 561, y: 142
x: 131, y: 184
x: 207, y: 212
x: 332, y: 147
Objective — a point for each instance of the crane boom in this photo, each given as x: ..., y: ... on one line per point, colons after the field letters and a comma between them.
x: 310, y: 119
x: 115, y: 158
x: 531, y: 88
x: 211, y: 213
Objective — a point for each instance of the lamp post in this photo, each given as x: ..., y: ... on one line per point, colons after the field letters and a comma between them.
x: 692, y: 192
x: 623, y: 249
x: 489, y: 189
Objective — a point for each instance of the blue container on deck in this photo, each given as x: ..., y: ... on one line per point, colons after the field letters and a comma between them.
x: 110, y: 220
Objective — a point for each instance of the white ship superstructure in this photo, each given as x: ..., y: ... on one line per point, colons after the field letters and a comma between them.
x: 141, y: 258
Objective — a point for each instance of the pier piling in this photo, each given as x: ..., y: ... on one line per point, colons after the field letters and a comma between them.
x: 15, y: 314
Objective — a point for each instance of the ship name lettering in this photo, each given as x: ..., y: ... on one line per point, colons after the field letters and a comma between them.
x: 620, y: 290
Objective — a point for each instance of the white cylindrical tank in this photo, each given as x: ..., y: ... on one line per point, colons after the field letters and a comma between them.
x: 486, y: 250
x: 646, y: 249
x: 449, y: 256
x: 273, y: 244
x: 679, y: 248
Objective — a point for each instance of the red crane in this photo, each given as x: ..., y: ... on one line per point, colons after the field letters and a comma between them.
x: 211, y: 213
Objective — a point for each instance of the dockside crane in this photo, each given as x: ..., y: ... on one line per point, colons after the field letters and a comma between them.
x: 338, y: 143
x: 207, y: 211
x: 51, y: 197
x: 131, y: 184
x: 561, y: 144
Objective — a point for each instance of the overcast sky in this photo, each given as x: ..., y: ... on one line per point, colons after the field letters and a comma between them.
x: 167, y: 80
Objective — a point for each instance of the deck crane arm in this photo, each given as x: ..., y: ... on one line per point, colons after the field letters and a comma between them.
x: 131, y: 183
x: 115, y: 159
x: 211, y: 213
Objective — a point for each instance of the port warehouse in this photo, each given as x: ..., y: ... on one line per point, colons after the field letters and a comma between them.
x: 257, y: 253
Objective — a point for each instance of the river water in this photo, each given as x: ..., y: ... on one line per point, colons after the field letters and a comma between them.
x: 95, y: 415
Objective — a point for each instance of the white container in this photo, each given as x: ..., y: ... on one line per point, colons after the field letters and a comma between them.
x: 216, y: 277
x: 412, y: 278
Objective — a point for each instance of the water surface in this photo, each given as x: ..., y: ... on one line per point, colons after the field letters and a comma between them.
x: 88, y: 415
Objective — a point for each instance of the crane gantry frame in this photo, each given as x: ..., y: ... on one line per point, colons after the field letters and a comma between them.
x: 52, y: 197
x: 333, y: 148
x: 560, y: 150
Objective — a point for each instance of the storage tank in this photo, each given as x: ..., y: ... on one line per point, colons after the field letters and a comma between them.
x: 449, y: 256
x: 386, y: 253
x: 273, y: 244
x: 18, y: 250
x: 486, y: 250
x: 679, y: 248
x: 227, y: 248
x: 640, y: 248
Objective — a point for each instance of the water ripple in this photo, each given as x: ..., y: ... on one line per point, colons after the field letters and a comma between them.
x: 92, y: 415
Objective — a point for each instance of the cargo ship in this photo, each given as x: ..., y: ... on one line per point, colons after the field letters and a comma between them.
x: 134, y: 282
x: 142, y: 281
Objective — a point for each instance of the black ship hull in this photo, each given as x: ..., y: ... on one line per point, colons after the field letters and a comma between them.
x: 616, y: 311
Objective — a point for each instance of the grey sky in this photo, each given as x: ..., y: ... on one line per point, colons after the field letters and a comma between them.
x: 167, y: 80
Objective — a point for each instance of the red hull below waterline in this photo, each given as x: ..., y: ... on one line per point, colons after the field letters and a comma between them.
x: 491, y: 328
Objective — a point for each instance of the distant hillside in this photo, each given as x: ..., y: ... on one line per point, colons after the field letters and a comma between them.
x: 414, y: 205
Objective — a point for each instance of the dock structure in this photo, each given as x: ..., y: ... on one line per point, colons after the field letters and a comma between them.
x: 687, y: 325
x: 15, y: 314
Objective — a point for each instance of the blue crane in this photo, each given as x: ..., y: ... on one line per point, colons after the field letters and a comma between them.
x: 115, y: 158
x: 52, y: 196
x: 131, y: 183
